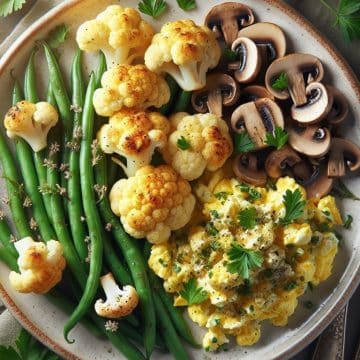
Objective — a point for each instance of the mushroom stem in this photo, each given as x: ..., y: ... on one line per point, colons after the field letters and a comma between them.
x: 214, y: 102
x: 336, y: 166
x: 296, y: 87
x: 230, y: 30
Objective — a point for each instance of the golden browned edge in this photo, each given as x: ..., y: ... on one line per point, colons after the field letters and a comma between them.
x: 350, y: 77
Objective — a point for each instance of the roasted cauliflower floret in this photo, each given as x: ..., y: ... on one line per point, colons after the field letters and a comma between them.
x: 134, y: 134
x: 129, y: 86
x: 153, y: 203
x: 119, y: 303
x: 120, y: 33
x: 32, y: 122
x: 184, y: 50
x: 208, y: 144
x: 40, y: 266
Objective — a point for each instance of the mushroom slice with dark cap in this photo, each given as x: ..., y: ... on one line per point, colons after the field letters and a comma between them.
x: 343, y: 154
x: 258, y: 118
x: 220, y: 90
x: 339, y: 109
x: 317, y: 107
x: 248, y: 66
x: 280, y: 162
x: 269, y: 38
x: 246, y: 168
x: 312, y: 140
x: 300, y: 70
x: 227, y: 19
x: 254, y: 92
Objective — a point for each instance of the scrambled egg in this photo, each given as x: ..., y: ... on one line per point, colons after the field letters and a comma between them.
x: 288, y: 258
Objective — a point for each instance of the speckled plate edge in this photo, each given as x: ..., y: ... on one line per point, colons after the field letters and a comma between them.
x: 350, y: 77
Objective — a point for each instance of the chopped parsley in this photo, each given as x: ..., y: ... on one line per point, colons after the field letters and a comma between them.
x: 163, y: 262
x: 328, y: 215
x: 182, y: 143
x: 57, y: 36
x: 7, y: 7
x: 281, y: 82
x: 248, y: 218
x: 214, y: 214
x: 253, y: 194
x: 229, y: 55
x: 243, y: 143
x: 294, y: 206
x: 152, y: 8
x: 176, y: 268
x: 211, y: 229
x: 310, y: 286
x: 193, y: 294
x: 341, y: 191
x: 315, y: 240
x: 187, y: 4
x: 277, y: 139
x: 243, y: 260
x: 348, y: 222
x: 291, y: 285
x: 222, y: 195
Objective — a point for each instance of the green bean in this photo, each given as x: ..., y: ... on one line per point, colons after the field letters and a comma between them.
x: 24, y: 156
x: 89, y: 202
x: 133, y: 258
x: 183, y: 101
x: 174, y: 90
x: 31, y: 95
x: 6, y: 236
x: 171, y: 338
x: 9, y: 259
x: 74, y: 204
x: 175, y: 315
x: 101, y: 68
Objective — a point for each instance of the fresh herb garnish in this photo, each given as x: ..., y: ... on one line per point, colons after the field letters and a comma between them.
x: 291, y: 285
x: 247, y: 218
x: 57, y: 36
x: 243, y: 260
x: 187, y: 4
x: 176, y: 268
x: 222, y: 195
x: 328, y: 215
x: 347, y: 18
x: 315, y: 240
x: 243, y: 142
x: 211, y: 229
x: 341, y: 191
x: 7, y: 7
x: 348, y: 222
x: 153, y: 8
x: 182, y: 143
x: 281, y: 82
x: 229, y: 55
x: 253, y: 194
x: 278, y: 139
x: 294, y: 206
x: 214, y: 214
x: 193, y: 294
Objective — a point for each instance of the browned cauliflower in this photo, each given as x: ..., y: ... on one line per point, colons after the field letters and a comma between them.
x: 197, y: 142
x: 40, y: 265
x: 134, y: 134
x: 153, y: 203
x: 184, y: 50
x: 130, y: 86
x: 119, y: 32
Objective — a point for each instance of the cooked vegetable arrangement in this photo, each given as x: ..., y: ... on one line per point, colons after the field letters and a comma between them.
x: 211, y: 143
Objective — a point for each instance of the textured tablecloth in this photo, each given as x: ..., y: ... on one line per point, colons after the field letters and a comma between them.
x: 315, y: 12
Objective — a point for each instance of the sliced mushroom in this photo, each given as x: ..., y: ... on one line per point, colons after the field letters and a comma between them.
x: 249, y: 64
x: 343, y: 154
x: 254, y: 92
x: 340, y: 107
x: 300, y: 70
x: 246, y: 168
x: 280, y: 162
x: 312, y: 140
x: 227, y: 19
x: 269, y: 38
x: 220, y: 90
x: 257, y: 118
x: 317, y: 107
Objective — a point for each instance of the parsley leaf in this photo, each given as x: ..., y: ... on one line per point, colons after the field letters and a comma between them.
x: 348, y: 222
x: 182, y: 143
x: 243, y: 260
x: 278, y: 139
x: 229, y: 55
x: 253, y: 194
x: 247, y: 218
x: 57, y: 36
x: 342, y: 192
x: 7, y: 7
x: 243, y: 142
x: 193, y: 294
x: 280, y: 83
x: 187, y: 4
x: 294, y: 206
x: 153, y: 8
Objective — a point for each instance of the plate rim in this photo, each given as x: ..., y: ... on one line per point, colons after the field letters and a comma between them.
x: 350, y: 77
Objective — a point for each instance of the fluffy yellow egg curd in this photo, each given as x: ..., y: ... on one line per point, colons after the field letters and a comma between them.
x: 252, y: 252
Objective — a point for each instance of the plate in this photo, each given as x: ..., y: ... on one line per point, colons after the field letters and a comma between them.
x: 45, y: 321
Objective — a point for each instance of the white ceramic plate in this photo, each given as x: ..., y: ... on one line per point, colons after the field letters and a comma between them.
x: 46, y: 322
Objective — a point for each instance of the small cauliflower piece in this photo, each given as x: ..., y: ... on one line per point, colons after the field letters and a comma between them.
x: 184, y: 50
x: 134, y: 134
x: 120, y: 33
x: 130, y: 86
x: 209, y: 142
x: 153, y: 203
x: 119, y: 303
x: 40, y: 266
x: 32, y: 122
x: 297, y: 234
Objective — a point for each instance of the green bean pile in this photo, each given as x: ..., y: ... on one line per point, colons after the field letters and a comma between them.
x: 93, y: 239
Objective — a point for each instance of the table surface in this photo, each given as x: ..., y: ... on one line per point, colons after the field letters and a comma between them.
x: 315, y: 12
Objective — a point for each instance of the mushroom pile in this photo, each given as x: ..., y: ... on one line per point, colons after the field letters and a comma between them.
x: 267, y: 93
